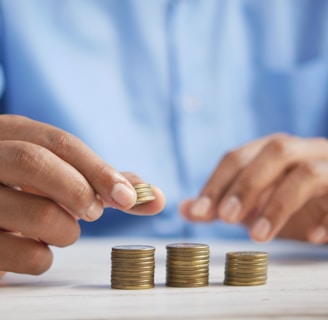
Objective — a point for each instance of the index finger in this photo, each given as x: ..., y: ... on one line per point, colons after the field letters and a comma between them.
x: 112, y: 186
x: 148, y: 208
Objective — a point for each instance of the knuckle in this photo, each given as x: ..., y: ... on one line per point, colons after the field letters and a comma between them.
x: 308, y: 170
x: 49, y: 214
x: 61, y: 142
x: 81, y: 193
x: 233, y: 158
x: 30, y: 160
x: 38, y: 259
x: 24, y: 157
x: 248, y: 185
x: 59, y: 227
x: 101, y: 174
x: 277, y: 209
x: 279, y: 145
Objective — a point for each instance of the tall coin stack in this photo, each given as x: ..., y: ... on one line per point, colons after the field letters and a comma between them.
x: 246, y: 268
x: 187, y: 265
x: 144, y: 193
x: 133, y: 267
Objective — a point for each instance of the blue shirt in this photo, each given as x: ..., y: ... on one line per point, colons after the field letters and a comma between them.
x: 165, y: 88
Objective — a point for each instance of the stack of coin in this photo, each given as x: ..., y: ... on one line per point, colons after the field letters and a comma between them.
x: 144, y: 193
x: 133, y: 267
x: 246, y: 268
x: 187, y: 265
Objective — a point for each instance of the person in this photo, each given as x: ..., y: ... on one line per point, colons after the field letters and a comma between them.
x: 220, y: 104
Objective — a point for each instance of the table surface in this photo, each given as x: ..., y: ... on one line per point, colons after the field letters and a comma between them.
x: 78, y: 286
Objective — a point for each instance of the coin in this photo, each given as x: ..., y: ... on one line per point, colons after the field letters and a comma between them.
x: 238, y: 283
x: 145, y: 199
x: 133, y: 267
x: 243, y: 268
x: 185, y: 246
x: 187, y: 264
x: 247, y: 255
x: 141, y: 185
x: 132, y: 287
x: 133, y: 248
x: 186, y: 285
x: 144, y: 193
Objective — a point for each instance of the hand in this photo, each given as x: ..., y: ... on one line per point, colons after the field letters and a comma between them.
x: 49, y: 180
x: 276, y: 186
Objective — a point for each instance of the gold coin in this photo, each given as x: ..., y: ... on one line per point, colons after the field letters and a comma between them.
x: 146, y: 198
x: 131, y: 254
x: 189, y: 279
x: 144, y: 194
x: 132, y: 275
x: 238, y: 283
x: 187, y: 275
x: 143, y: 201
x: 133, y: 280
x: 132, y: 287
x: 188, y: 256
x: 133, y: 272
x: 191, y: 267
x: 246, y: 275
x: 247, y: 254
x: 141, y: 185
x: 246, y: 264
x: 186, y: 285
x: 136, y: 275
x: 187, y: 246
x: 133, y: 260
x: 181, y: 273
x: 144, y: 188
x: 245, y: 279
x: 133, y: 248
x: 171, y: 278
x: 188, y: 263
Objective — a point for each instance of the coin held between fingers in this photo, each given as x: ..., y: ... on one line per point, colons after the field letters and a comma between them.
x: 144, y: 193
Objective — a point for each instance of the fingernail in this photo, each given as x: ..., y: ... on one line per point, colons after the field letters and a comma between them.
x: 200, y: 207
x: 261, y: 229
x: 95, y: 210
x: 319, y: 234
x: 123, y: 195
x: 230, y: 209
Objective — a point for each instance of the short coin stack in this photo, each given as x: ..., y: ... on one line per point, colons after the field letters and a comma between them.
x: 187, y: 265
x: 144, y: 193
x: 246, y: 268
x: 133, y: 267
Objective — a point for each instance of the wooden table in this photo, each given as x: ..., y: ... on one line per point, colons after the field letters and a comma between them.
x: 78, y: 286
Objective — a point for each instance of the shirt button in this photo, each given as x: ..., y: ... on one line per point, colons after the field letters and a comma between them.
x: 190, y: 104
